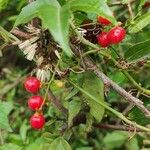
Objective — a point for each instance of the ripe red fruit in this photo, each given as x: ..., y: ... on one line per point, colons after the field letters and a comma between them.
x: 103, y: 40
x: 37, y: 121
x: 103, y: 21
x: 116, y: 35
x: 32, y: 84
x: 146, y: 5
x: 35, y: 102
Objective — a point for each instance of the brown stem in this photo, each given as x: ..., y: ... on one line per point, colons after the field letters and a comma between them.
x: 117, y: 127
x: 117, y: 88
x: 56, y: 102
x: 130, y: 9
x: 21, y: 34
x: 106, y: 80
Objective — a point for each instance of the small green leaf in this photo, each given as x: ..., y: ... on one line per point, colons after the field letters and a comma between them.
x: 132, y: 144
x: 23, y: 130
x: 59, y: 144
x: 95, y: 87
x: 3, y: 4
x: 115, y: 139
x: 74, y: 108
x: 138, y: 116
x: 84, y: 148
x: 38, y: 144
x: 27, y: 13
x: 140, y: 23
x: 53, y: 16
x: 93, y: 6
x: 56, y: 19
x: 138, y: 51
x: 5, y: 108
x: 142, y: 2
x: 11, y: 146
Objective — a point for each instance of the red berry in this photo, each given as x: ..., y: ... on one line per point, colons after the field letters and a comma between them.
x: 37, y: 121
x: 146, y: 5
x: 35, y: 102
x: 103, y: 21
x: 32, y: 84
x: 103, y: 40
x: 116, y: 35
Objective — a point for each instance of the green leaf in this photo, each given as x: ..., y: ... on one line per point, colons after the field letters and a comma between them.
x: 3, y: 4
x: 118, y: 77
x: 23, y: 130
x: 98, y: 7
x: 74, y: 108
x: 93, y: 85
x: 53, y: 16
x: 56, y: 19
x: 115, y: 139
x: 140, y: 23
x: 38, y: 144
x: 27, y: 13
x: 59, y: 144
x: 138, y: 51
x: 84, y: 148
x: 5, y: 108
x: 138, y: 116
x: 142, y: 2
x: 11, y: 146
x: 132, y: 144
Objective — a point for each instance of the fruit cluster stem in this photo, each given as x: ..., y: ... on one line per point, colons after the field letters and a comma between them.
x: 105, y: 54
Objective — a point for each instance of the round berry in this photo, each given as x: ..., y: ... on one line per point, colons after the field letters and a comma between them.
x: 116, y: 35
x: 37, y: 121
x: 32, y: 84
x: 103, y: 40
x: 103, y: 20
x: 35, y: 102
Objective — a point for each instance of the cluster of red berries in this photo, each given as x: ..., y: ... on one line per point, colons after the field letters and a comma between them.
x: 32, y: 85
x: 114, y: 36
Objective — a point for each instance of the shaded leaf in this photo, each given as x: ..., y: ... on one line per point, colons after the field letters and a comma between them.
x: 38, y: 144
x: 95, y: 87
x: 93, y: 6
x: 138, y: 51
x: 115, y: 139
x: 23, y: 130
x: 84, y: 148
x: 118, y: 77
x: 11, y: 146
x: 132, y: 144
x: 27, y: 13
x: 59, y: 144
x: 56, y: 19
x: 140, y: 23
x: 138, y: 116
x: 53, y: 16
x: 73, y: 108
x: 5, y: 108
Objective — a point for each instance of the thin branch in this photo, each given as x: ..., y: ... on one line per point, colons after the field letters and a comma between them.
x: 107, y: 81
x: 56, y: 102
x: 104, y: 53
x: 21, y: 34
x: 130, y: 9
x: 117, y: 127
x: 117, y: 88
